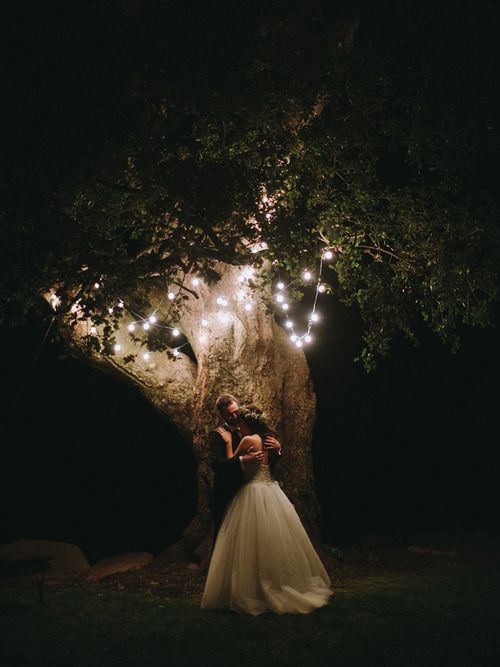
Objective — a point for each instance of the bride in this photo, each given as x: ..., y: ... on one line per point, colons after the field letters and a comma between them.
x: 263, y: 559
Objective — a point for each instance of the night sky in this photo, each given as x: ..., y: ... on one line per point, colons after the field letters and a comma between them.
x: 409, y: 447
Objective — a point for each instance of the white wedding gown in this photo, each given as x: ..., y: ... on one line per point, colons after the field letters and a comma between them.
x: 263, y: 559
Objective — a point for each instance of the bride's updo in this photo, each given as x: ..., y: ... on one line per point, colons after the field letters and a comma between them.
x: 255, y: 419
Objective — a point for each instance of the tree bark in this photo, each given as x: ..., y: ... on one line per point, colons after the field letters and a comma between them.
x: 246, y: 354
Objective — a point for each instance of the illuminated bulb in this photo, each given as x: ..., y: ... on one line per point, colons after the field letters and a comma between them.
x: 195, y: 281
x: 314, y: 317
x: 110, y: 311
x: 241, y: 278
x: 298, y: 343
x: 280, y: 298
x: 96, y: 285
x: 131, y: 327
x: 93, y: 330
x: 152, y: 319
x: 248, y: 307
x: 328, y: 254
x: 204, y: 323
x: 289, y: 324
x: 308, y: 338
x: 171, y: 296
x: 307, y: 275
x: 121, y: 304
x: 145, y: 356
x: 175, y: 332
x: 268, y: 216
x: 146, y: 326
x: 175, y: 352
x: 280, y: 286
x: 321, y: 288
x: 293, y: 338
x: 284, y: 306
x: 118, y: 347
x: 220, y: 300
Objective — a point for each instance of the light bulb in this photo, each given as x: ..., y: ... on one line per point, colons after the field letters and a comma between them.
x: 314, y: 317
x: 248, y: 307
x: 308, y: 338
x: 175, y: 352
x: 280, y: 298
x: 204, y: 323
x: 152, y: 319
x: 289, y: 324
x: 298, y: 343
x: 110, y: 311
x: 93, y: 330
x: 146, y: 326
x: 175, y: 332
x: 307, y: 275
x: 328, y: 254
x: 284, y: 306
x: 117, y: 347
x: 121, y: 304
x: 195, y: 281
x: 171, y: 296
x: 280, y: 285
x: 131, y: 327
x: 96, y: 285
x: 293, y: 338
x: 321, y: 288
x: 145, y: 356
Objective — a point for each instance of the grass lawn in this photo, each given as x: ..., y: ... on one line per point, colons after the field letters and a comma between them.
x: 445, y: 618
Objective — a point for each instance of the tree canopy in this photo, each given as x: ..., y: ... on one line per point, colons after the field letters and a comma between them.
x: 149, y: 139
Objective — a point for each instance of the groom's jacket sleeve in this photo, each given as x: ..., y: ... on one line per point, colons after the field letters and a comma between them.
x: 217, y: 460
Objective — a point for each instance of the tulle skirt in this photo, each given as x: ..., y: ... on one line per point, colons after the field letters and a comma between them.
x: 263, y: 559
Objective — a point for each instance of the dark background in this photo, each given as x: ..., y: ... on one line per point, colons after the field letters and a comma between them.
x: 408, y: 448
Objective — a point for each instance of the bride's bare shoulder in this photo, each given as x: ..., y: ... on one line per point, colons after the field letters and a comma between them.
x: 253, y: 440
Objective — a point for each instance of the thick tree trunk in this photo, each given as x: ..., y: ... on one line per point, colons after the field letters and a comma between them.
x: 247, y: 354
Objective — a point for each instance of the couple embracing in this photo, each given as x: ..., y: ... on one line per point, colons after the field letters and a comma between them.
x: 262, y: 558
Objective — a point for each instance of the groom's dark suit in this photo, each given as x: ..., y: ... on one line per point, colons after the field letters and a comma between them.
x: 228, y: 474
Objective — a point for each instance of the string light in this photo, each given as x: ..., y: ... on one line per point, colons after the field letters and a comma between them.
x: 224, y: 316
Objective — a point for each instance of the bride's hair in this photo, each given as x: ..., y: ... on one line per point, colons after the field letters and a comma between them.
x: 255, y: 419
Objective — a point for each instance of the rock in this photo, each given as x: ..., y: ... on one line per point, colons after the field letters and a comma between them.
x: 68, y: 559
x: 119, y: 563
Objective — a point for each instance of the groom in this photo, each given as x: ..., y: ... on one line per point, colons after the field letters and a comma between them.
x: 228, y: 473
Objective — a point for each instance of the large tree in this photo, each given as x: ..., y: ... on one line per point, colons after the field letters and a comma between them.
x: 151, y: 144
